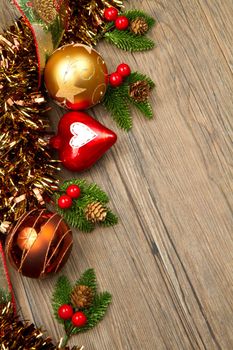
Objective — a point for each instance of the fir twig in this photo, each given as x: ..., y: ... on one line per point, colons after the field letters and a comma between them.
x: 61, y: 295
x: 129, y: 42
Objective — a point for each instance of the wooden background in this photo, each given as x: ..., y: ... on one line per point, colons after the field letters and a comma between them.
x: 168, y: 263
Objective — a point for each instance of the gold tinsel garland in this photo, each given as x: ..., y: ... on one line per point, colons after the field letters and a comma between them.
x: 16, y: 334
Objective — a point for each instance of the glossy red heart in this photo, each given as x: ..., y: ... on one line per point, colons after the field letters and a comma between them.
x: 81, y: 140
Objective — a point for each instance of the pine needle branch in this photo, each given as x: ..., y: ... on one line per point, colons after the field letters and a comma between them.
x: 129, y: 42
x: 133, y: 14
x: 61, y: 295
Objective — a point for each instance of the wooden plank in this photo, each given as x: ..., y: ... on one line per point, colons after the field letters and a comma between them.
x: 169, y: 261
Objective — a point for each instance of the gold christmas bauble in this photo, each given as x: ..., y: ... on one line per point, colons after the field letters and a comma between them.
x: 76, y: 76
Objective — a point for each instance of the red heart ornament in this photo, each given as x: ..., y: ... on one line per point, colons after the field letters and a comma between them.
x: 81, y: 140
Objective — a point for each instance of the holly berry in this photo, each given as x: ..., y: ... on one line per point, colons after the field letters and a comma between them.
x: 65, y: 202
x: 73, y: 191
x: 124, y: 70
x: 65, y: 312
x: 79, y: 319
x: 115, y: 79
x: 111, y: 14
x: 121, y: 23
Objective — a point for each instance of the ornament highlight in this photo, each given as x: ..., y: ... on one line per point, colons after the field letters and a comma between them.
x: 47, y: 252
x: 79, y: 319
x: 76, y: 76
x: 81, y: 141
x: 65, y: 312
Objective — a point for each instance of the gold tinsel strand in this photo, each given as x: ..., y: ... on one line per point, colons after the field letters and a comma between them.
x: 87, y: 22
x: 25, y: 161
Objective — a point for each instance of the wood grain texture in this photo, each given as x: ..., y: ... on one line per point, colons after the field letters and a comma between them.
x: 169, y: 261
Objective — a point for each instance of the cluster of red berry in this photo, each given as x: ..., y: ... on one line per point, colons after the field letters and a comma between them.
x: 116, y: 78
x: 65, y: 201
x: 66, y: 312
x: 111, y: 15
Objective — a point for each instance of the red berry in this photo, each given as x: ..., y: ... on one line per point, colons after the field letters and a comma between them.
x: 73, y: 191
x: 79, y: 319
x: 65, y: 202
x: 115, y: 79
x: 124, y: 70
x: 111, y: 14
x: 65, y: 312
x: 122, y: 23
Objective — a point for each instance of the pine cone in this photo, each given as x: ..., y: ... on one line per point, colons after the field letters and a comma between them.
x: 95, y: 212
x: 139, y: 91
x: 82, y: 297
x: 139, y: 26
x: 45, y: 10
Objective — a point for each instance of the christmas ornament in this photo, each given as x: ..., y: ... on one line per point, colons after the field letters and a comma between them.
x: 95, y: 212
x: 44, y: 254
x: 119, y: 99
x: 115, y: 79
x: 65, y: 201
x: 82, y: 296
x: 139, y: 26
x: 89, y: 209
x: 111, y: 14
x: 65, y: 312
x: 73, y: 191
x: 79, y: 319
x: 94, y: 305
x: 76, y: 76
x: 139, y: 91
x: 81, y: 141
x: 122, y: 23
x: 124, y: 70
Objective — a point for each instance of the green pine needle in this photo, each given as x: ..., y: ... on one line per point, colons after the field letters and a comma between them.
x: 111, y: 219
x: 95, y: 192
x: 5, y: 295
x: 145, y: 108
x: 96, y: 312
x: 61, y: 295
x: 88, y: 278
x: 129, y: 42
x: 133, y: 14
x: 115, y: 102
x: 136, y: 76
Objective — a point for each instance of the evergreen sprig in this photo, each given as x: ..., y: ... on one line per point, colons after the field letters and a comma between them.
x: 128, y: 41
x: 118, y: 100
x: 90, y: 193
x: 94, y: 313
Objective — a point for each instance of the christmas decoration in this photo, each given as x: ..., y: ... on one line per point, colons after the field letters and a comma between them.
x: 81, y: 141
x: 65, y: 312
x: 123, y: 36
x: 96, y: 212
x: 79, y: 319
x: 27, y: 168
x: 115, y: 79
x: 76, y: 76
x: 111, y: 14
x: 90, y: 315
x: 134, y: 90
x: 64, y: 202
x: 139, y: 91
x: 47, y: 252
x: 82, y: 296
x: 124, y: 70
x: 89, y: 208
x: 122, y: 23
x: 139, y: 26
x: 73, y: 191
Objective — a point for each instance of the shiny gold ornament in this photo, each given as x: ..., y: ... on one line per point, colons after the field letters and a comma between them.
x: 76, y: 76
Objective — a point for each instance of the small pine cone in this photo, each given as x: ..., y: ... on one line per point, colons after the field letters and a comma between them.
x: 82, y: 297
x: 45, y: 10
x: 139, y: 91
x: 139, y: 26
x: 96, y: 212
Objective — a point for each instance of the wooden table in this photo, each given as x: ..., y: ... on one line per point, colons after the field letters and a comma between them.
x: 168, y: 263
